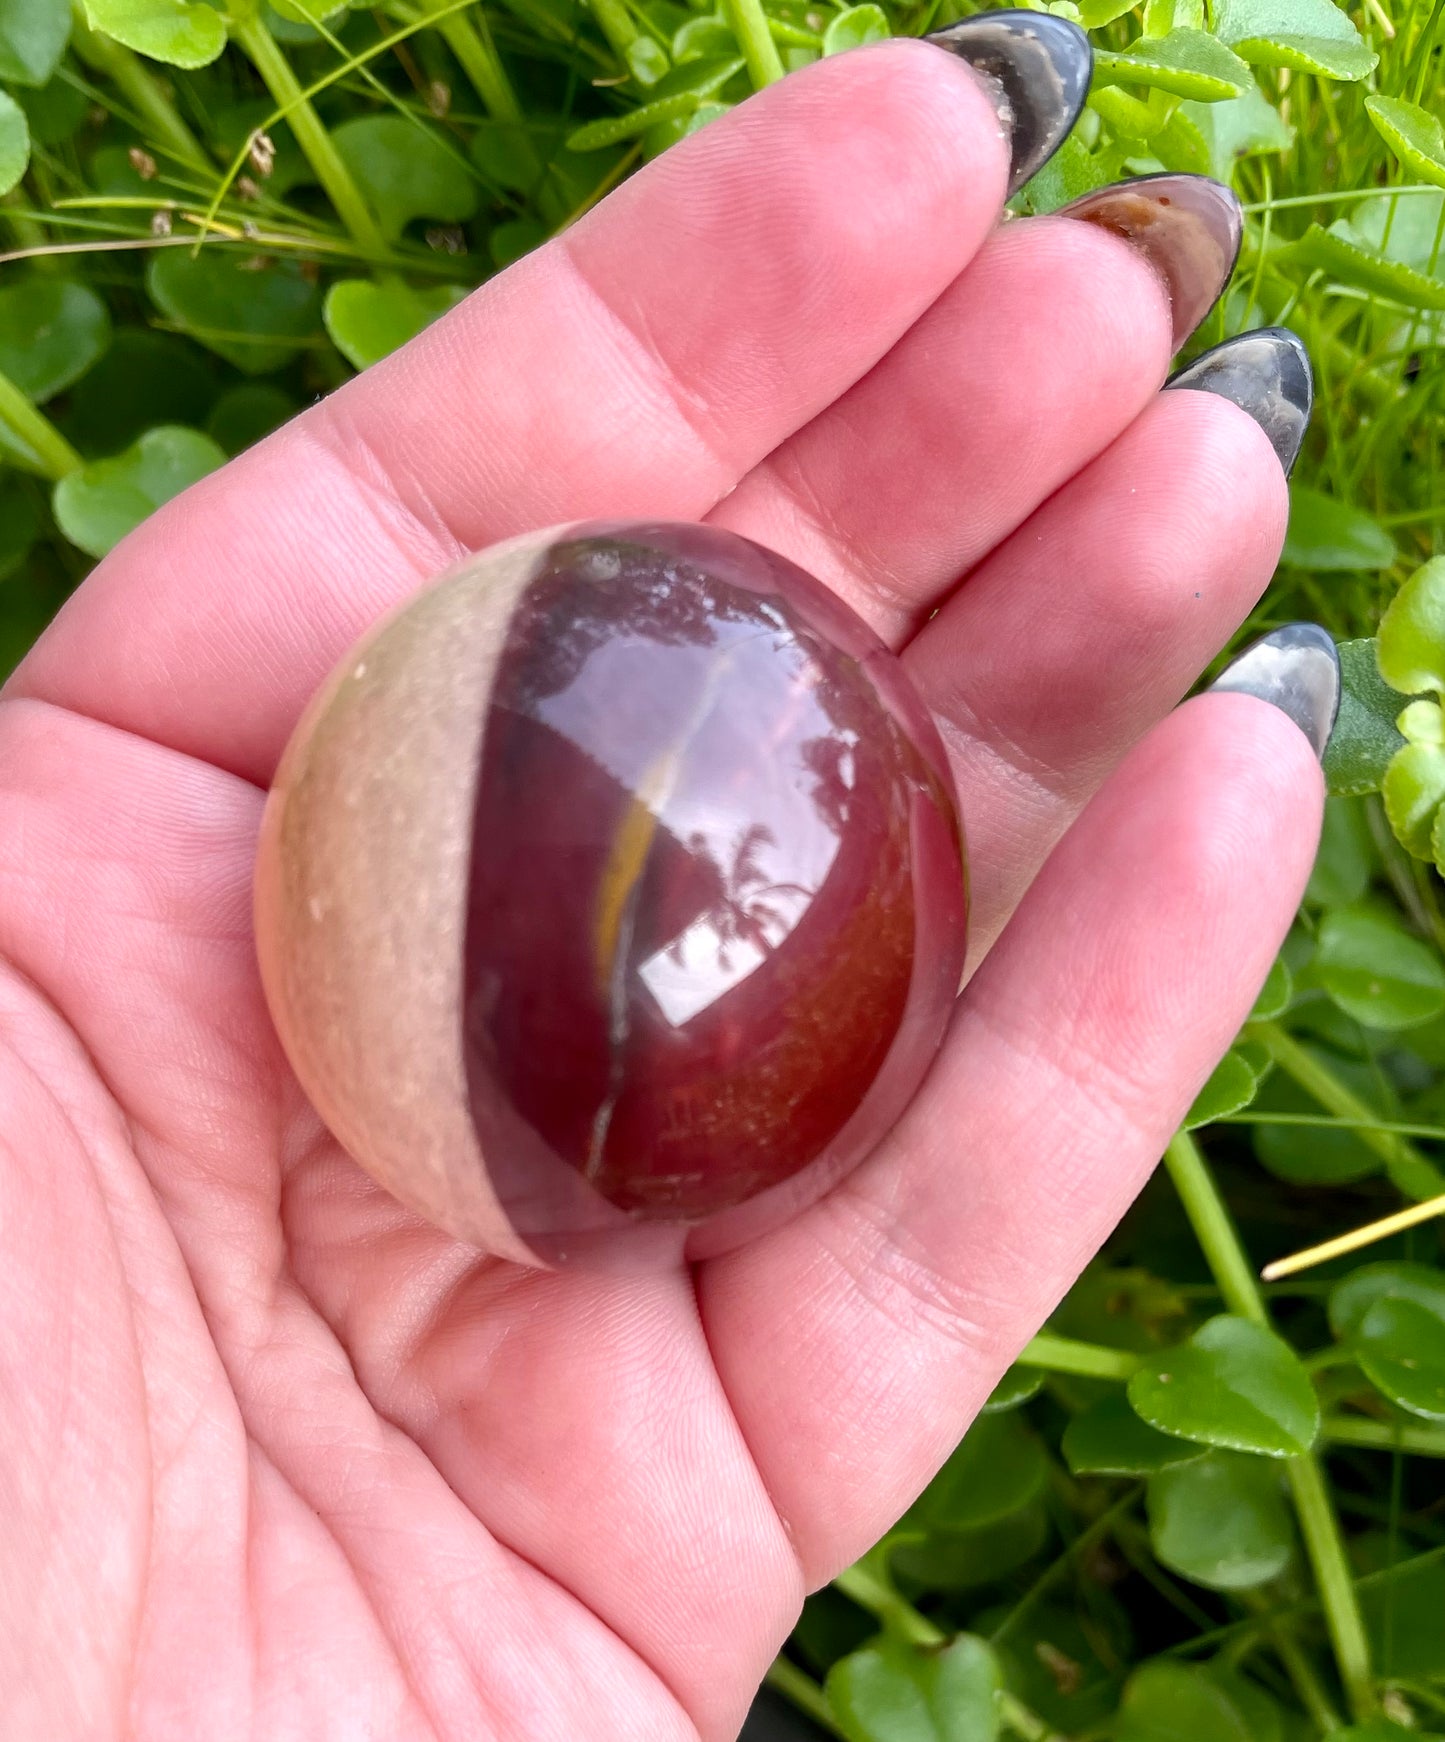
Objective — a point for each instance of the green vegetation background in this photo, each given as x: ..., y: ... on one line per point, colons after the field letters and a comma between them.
x: 1198, y: 1510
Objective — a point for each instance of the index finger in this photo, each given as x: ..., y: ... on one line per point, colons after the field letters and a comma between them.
x: 636, y: 366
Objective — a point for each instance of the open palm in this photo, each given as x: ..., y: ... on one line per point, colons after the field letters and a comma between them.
x: 281, y: 1461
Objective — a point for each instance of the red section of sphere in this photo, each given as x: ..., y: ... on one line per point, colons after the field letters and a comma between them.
x: 716, y: 902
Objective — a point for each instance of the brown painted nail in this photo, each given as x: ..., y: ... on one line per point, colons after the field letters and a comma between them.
x: 1186, y: 226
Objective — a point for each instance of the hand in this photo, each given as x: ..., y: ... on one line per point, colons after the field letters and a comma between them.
x: 279, y: 1460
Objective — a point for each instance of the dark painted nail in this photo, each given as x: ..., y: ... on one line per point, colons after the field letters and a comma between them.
x: 1297, y: 668
x: 1037, y: 69
x: 1186, y: 226
x: 1266, y: 373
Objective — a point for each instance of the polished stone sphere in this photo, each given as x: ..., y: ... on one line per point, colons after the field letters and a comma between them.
x: 611, y: 896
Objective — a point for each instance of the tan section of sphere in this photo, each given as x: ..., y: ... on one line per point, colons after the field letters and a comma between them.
x: 361, y: 893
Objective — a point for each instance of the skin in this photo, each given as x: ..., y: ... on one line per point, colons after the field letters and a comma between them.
x: 280, y: 1461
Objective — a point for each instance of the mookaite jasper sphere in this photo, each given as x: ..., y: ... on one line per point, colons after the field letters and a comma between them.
x: 611, y: 894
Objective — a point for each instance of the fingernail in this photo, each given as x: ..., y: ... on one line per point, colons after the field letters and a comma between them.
x: 1266, y: 373
x: 1186, y: 226
x: 1037, y: 69
x: 1297, y: 668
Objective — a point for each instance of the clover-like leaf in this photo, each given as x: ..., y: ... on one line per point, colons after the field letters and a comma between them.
x: 998, y: 1468
x: 1411, y: 639
x: 1346, y: 253
x: 1168, y: 1701
x: 674, y: 98
x: 1221, y: 1521
x: 51, y: 331
x: 1413, y: 790
x: 1400, y: 1346
x: 14, y: 142
x: 1413, y: 134
x: 1230, y: 1085
x: 1016, y: 1387
x: 98, y: 505
x: 20, y: 527
x: 1246, y: 126
x: 1325, y: 533
x: 1275, y: 994
x: 407, y: 170
x: 1352, y: 1299
x: 854, y: 27
x: 1377, y: 971
x: 1232, y: 1384
x: 1186, y: 63
x: 33, y: 35
x: 369, y: 321
x: 1109, y: 1439
x: 1313, y: 36
x: 1366, y: 735
x: 182, y: 33
x: 254, y: 315
x: 892, y: 1691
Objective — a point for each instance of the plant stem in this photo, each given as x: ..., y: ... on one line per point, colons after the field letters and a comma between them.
x: 1384, y: 1436
x: 1409, y: 1170
x: 1220, y: 1242
x: 311, y: 135
x: 476, y: 54
x: 794, y: 1685
x: 749, y: 24
x: 615, y: 23
x: 1298, y: 1667
x: 54, y: 456
x: 1088, y: 1360
x: 129, y: 74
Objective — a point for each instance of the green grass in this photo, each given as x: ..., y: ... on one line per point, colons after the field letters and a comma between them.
x: 1257, y: 1557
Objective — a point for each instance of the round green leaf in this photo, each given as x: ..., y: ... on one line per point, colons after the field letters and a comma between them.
x: 703, y: 39
x: 1109, y: 1439
x: 1230, y: 1086
x: 1341, y: 871
x: 854, y: 27
x: 1319, y: 1154
x: 14, y: 142
x: 254, y: 317
x: 1187, y: 63
x: 1403, y: 1615
x: 145, y: 378
x: 1365, y: 735
x: 1413, y: 788
x: 19, y: 528
x: 1352, y: 1298
x: 510, y: 241
x: 1246, y: 126
x: 51, y: 331
x: 56, y: 112
x: 97, y: 506
x: 1413, y: 134
x: 179, y: 32
x: 369, y: 321
x: 1275, y: 994
x: 1376, y: 971
x: 891, y: 1691
x: 1411, y: 642
x: 1313, y: 36
x: 1016, y: 1387
x: 1231, y: 1384
x: 942, y: 1559
x: 1181, y: 1702
x: 1325, y: 534
x: 1401, y: 1350
x: 1222, y: 1522
x: 33, y: 35
x: 246, y: 413
x: 997, y: 1469
x: 407, y: 170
